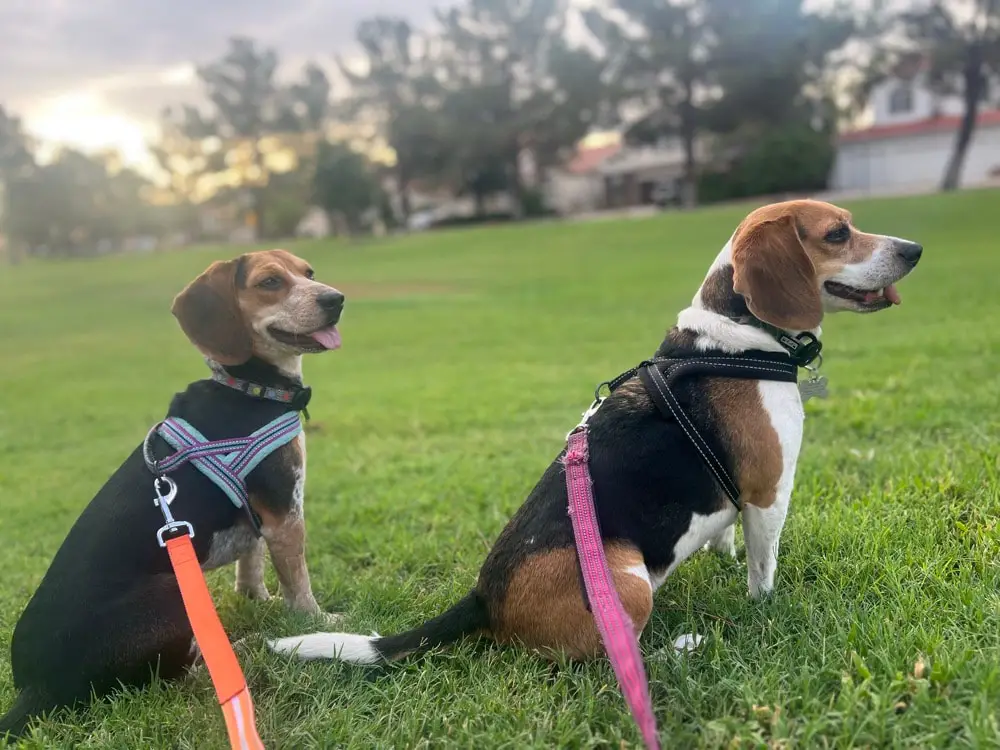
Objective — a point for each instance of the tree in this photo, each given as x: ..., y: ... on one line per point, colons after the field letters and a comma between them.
x: 16, y: 166
x: 660, y: 60
x: 962, y: 41
x: 788, y: 84
x: 250, y: 110
x: 514, y: 85
x: 15, y: 151
x: 344, y: 185
x: 398, y: 91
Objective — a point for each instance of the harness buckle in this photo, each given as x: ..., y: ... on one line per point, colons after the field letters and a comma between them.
x: 803, y: 349
x: 163, y: 502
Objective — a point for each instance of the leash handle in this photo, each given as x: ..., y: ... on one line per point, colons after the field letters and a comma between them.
x: 617, y: 631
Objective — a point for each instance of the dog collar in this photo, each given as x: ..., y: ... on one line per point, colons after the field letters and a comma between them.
x: 296, y: 397
x: 803, y: 347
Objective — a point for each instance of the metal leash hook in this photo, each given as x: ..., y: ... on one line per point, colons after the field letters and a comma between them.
x: 591, y: 411
x: 163, y: 502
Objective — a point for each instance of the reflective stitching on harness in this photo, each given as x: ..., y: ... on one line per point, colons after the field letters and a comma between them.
x: 678, y: 414
x: 657, y: 378
x: 228, y: 462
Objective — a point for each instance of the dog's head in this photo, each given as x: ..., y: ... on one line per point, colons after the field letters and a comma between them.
x: 264, y: 304
x: 793, y: 261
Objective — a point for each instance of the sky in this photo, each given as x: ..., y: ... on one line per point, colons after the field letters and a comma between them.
x: 95, y: 74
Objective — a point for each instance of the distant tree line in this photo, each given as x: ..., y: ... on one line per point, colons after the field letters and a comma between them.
x: 460, y: 105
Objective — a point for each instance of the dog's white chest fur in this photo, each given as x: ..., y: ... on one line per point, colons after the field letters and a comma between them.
x: 783, y: 405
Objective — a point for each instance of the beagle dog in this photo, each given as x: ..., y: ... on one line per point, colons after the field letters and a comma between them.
x: 656, y: 500
x: 109, y: 611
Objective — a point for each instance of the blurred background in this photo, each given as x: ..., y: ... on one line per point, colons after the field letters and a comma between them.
x: 132, y: 127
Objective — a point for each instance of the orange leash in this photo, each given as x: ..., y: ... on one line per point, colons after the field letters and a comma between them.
x: 223, y: 667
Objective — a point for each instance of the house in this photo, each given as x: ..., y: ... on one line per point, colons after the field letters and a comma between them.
x: 615, y: 176
x: 578, y: 186
x: 912, y: 135
x: 315, y: 223
x: 648, y: 175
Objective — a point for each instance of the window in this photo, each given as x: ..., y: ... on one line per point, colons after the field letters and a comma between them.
x: 901, y: 99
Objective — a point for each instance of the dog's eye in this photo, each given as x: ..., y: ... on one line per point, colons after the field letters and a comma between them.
x: 838, y: 235
x: 270, y: 283
x: 310, y: 274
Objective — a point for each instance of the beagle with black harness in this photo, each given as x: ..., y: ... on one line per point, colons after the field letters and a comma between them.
x: 659, y: 476
x: 108, y: 611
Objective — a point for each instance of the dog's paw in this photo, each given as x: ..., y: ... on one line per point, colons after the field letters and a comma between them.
x: 723, y: 550
x: 257, y: 592
x: 723, y: 543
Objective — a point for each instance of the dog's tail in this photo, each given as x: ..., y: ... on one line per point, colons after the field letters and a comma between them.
x: 28, y: 704
x: 466, y: 617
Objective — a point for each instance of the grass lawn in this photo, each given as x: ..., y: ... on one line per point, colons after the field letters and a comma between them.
x: 467, y: 356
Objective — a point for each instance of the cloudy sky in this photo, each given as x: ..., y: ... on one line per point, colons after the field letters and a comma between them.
x: 96, y: 73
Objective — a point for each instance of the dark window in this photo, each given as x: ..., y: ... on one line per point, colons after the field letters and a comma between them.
x: 901, y: 99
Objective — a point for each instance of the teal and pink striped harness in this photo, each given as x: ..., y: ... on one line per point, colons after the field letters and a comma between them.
x: 227, y: 463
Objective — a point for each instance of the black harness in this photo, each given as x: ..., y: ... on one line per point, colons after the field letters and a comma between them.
x: 660, y: 373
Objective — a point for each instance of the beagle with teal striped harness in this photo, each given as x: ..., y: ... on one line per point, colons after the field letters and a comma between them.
x: 108, y: 611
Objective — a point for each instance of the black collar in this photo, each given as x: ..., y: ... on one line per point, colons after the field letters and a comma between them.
x: 258, y: 379
x: 803, y: 347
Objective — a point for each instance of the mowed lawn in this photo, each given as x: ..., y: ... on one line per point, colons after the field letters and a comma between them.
x: 467, y: 356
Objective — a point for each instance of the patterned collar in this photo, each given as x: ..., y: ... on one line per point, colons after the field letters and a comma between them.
x: 296, y: 396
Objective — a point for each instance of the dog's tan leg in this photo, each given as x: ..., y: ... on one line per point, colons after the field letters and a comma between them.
x: 286, y: 542
x: 250, y: 573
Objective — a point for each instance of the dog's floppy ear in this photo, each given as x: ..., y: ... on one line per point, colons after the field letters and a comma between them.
x: 773, y: 272
x: 209, y: 313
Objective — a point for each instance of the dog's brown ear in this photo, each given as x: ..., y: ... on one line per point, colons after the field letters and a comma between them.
x: 209, y: 313
x: 773, y: 272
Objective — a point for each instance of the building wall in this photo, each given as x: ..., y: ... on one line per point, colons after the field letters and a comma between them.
x: 907, y: 162
x: 568, y: 193
x: 924, y: 103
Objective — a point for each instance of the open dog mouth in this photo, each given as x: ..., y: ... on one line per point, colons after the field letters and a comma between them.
x: 865, y: 299
x: 320, y: 340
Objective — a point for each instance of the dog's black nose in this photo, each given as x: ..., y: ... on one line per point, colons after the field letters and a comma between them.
x: 909, y: 251
x: 332, y: 302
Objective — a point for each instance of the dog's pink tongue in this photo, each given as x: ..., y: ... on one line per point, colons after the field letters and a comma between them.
x: 892, y: 294
x: 328, y: 338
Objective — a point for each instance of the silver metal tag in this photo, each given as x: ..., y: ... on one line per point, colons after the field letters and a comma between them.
x: 814, y: 387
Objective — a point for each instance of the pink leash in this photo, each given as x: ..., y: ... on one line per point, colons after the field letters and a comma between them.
x: 621, y: 642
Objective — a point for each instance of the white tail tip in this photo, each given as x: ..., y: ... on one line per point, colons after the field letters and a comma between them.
x: 349, y: 647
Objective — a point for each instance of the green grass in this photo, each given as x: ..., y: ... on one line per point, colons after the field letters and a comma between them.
x: 467, y: 355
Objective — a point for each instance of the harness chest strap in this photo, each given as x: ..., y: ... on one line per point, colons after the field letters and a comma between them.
x: 226, y: 463
x: 658, y: 375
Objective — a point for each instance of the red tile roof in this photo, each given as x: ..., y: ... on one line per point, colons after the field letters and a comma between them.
x: 587, y: 160
x: 990, y: 118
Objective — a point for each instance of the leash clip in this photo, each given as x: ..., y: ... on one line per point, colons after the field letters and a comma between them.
x: 591, y: 411
x: 163, y: 502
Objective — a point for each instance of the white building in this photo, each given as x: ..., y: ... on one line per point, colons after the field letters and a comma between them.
x: 614, y: 176
x: 911, y: 137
